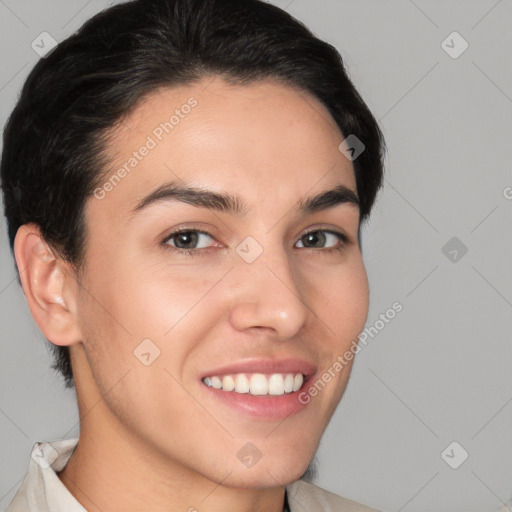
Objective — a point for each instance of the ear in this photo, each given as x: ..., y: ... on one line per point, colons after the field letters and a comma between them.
x: 49, y: 285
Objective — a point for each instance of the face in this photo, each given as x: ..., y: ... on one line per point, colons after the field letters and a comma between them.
x: 268, y: 289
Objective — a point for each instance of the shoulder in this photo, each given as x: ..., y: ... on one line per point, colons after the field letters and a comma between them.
x: 307, y: 497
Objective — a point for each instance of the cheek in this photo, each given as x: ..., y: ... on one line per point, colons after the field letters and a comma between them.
x: 342, y: 300
x: 163, y: 299
x: 147, y: 299
x: 117, y: 315
x: 171, y: 305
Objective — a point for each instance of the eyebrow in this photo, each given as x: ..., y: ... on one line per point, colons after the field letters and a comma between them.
x: 227, y: 203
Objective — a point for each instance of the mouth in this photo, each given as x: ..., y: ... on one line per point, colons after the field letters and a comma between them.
x: 257, y: 384
x: 263, y: 388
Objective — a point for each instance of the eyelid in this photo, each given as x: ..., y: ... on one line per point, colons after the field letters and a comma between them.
x: 331, y: 229
x: 199, y: 227
x: 186, y: 229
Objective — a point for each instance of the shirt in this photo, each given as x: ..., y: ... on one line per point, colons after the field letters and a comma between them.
x: 42, y: 490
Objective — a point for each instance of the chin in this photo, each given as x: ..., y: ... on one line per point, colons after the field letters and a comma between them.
x: 257, y: 481
x: 272, y: 474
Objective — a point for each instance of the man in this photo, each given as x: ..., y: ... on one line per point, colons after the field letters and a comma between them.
x: 185, y: 182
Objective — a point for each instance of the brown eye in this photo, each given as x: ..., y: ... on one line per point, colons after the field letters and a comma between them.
x: 318, y: 238
x: 184, y: 239
x: 187, y: 241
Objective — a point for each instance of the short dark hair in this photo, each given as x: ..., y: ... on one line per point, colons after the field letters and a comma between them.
x: 55, y: 144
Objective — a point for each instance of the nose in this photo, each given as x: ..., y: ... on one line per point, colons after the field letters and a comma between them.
x: 267, y: 296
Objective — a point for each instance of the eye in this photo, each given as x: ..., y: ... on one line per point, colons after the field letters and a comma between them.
x: 192, y: 242
x: 187, y: 241
x: 319, y: 237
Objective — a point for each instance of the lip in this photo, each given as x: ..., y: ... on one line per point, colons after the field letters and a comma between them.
x: 266, y: 366
x: 265, y: 407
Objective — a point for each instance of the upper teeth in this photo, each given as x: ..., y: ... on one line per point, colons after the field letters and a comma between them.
x: 257, y: 383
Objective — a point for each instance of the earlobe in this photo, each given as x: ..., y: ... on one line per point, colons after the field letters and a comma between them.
x: 43, y: 277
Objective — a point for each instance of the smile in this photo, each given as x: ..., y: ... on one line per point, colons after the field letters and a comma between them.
x: 257, y: 384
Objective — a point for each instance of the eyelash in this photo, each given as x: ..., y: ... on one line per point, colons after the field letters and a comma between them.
x: 197, y: 252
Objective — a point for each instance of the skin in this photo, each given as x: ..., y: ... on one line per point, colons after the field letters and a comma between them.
x: 151, y: 437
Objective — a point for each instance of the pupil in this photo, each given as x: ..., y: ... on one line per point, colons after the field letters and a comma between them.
x: 186, y: 235
x: 318, y: 235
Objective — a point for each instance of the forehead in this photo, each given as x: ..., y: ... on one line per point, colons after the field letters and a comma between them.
x: 264, y: 141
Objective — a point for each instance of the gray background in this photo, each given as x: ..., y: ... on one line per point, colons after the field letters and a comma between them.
x: 440, y: 371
